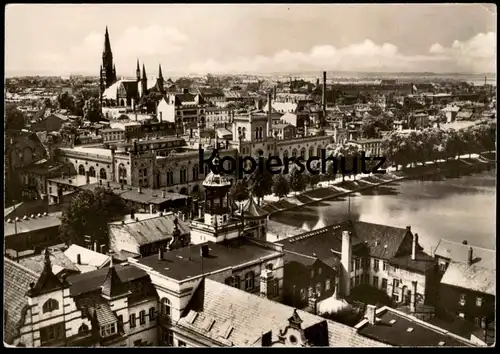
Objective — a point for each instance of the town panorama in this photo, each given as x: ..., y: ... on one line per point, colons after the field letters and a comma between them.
x: 137, y: 211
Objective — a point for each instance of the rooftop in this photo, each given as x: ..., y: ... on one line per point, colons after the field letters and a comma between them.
x: 472, y: 277
x: 186, y: 262
x: 212, y: 310
x: 32, y: 224
x: 58, y: 260
x: 458, y: 252
x: 87, y: 257
x: 94, y: 151
x: 398, y: 329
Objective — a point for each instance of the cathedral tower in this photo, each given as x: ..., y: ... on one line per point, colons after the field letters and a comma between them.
x: 108, y: 71
x: 144, y: 81
x: 160, y: 81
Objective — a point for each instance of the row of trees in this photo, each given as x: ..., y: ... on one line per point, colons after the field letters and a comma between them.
x: 85, y: 102
x: 431, y: 144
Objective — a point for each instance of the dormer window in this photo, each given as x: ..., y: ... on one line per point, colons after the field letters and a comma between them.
x: 108, y: 330
x: 50, y: 305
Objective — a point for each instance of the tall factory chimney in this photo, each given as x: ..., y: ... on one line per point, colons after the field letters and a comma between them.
x: 269, y: 115
x: 323, y: 103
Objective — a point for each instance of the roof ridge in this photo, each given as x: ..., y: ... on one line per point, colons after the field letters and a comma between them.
x: 301, y: 254
x: 467, y: 245
x: 26, y: 269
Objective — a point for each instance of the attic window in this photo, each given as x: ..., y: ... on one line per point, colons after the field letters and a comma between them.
x: 392, y: 321
x: 409, y: 330
x: 441, y: 343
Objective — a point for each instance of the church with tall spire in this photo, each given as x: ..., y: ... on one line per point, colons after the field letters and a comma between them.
x: 125, y: 92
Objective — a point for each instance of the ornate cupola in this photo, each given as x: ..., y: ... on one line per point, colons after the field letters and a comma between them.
x: 217, y: 203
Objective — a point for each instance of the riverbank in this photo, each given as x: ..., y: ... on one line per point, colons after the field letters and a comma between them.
x: 338, y: 188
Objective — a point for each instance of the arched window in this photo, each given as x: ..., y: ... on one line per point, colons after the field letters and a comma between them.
x: 249, y: 281
x: 81, y: 170
x: 91, y: 172
x: 244, y: 131
x: 285, y: 154
x: 195, y: 172
x: 311, y: 152
x: 318, y: 151
x: 170, y: 178
x: 183, y: 174
x: 50, y: 305
x: 122, y: 174
x: 165, y: 307
x: 303, y: 153
x: 294, y: 153
x: 83, y: 328
x: 102, y: 174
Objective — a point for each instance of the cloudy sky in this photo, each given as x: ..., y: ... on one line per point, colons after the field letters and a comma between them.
x: 63, y: 39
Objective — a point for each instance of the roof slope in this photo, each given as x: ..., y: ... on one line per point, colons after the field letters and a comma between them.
x: 238, y: 318
x: 17, y: 280
x: 459, y: 252
x: 471, y: 277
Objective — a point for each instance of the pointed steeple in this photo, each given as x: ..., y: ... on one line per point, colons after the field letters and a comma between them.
x: 107, y: 43
x: 112, y: 285
x: 143, y: 72
x: 138, y: 71
x: 160, y: 75
x: 47, y: 281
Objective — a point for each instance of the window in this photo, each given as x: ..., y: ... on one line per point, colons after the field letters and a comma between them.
x: 358, y: 263
x: 50, y: 305
x: 120, y: 321
x: 170, y: 178
x: 352, y: 283
x: 375, y: 282
x: 353, y: 265
x: 462, y: 300
x: 195, y: 173
x: 357, y: 280
x: 384, y: 265
x: 384, y: 284
x: 375, y: 265
x: 183, y: 175
x: 479, y: 301
x: 461, y: 315
x: 312, y: 273
x: 395, y: 284
x: 310, y: 292
x: 83, y: 328
x: 142, y: 317
x: 302, y: 294
x: 152, y: 314
x: 276, y: 287
x: 165, y: 308
x: 108, y: 330
x: 52, y: 332
x: 168, y: 337
x: 320, y: 270
x: 318, y: 289
x: 327, y: 284
x: 249, y: 281
x: 132, y: 320
x: 269, y: 266
x: 181, y: 343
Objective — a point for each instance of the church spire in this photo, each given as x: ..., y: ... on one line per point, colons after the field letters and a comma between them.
x: 138, y: 71
x: 108, y: 74
x: 143, y: 72
x: 107, y: 43
x: 160, y: 75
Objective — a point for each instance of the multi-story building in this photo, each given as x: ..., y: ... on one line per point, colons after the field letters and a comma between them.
x: 467, y: 277
x: 371, y: 147
x: 216, y: 116
x: 186, y: 110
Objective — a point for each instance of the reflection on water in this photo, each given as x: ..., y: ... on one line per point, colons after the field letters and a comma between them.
x: 456, y: 209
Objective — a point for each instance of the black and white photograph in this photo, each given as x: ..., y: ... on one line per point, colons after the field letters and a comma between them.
x: 250, y: 175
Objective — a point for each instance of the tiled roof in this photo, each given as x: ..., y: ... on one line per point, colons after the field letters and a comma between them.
x: 57, y: 258
x: 150, y: 230
x: 29, y: 225
x: 252, y: 211
x: 459, y: 252
x: 95, y: 307
x: 112, y: 285
x: 47, y: 281
x: 236, y: 318
x: 186, y: 262
x: 473, y: 277
x: 17, y: 281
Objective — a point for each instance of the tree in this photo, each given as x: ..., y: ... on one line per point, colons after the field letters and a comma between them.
x: 261, y: 183
x: 14, y: 118
x: 92, y: 110
x: 372, y: 125
x: 239, y: 190
x: 66, y: 101
x: 81, y: 96
x: 280, y: 187
x: 150, y: 101
x: 88, y: 214
x: 348, y: 152
x: 68, y: 131
x: 297, y: 183
x: 47, y: 103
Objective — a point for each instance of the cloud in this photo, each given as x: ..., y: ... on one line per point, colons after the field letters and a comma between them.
x: 152, y: 44
x: 477, y: 54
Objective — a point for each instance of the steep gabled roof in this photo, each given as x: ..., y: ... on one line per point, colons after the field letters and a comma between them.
x: 47, y: 281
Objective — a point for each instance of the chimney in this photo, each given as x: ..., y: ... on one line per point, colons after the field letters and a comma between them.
x: 100, y: 182
x: 121, y: 186
x: 200, y: 211
x: 87, y: 177
x: 266, y: 283
x: 470, y: 256
x: 186, y: 90
x: 323, y: 101
x: 151, y: 208
x: 78, y: 259
x: 139, y: 190
x: 413, y: 297
x: 160, y: 254
x: 464, y: 242
x: 414, y: 247
x: 163, y: 194
x: 371, y: 314
x: 274, y: 93
x: 313, y: 304
x: 346, y: 257
x: 132, y: 214
x: 408, y: 228
x: 108, y: 184
x: 95, y: 246
x: 102, y: 248
x: 204, y: 251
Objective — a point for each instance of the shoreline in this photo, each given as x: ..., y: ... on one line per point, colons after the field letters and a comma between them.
x: 334, y: 190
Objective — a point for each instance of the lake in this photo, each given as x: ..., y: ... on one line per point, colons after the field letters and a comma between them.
x: 456, y: 209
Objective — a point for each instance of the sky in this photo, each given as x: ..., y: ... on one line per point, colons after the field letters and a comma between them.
x: 60, y: 39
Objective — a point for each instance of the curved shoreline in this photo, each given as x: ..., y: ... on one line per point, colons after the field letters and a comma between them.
x: 436, y: 169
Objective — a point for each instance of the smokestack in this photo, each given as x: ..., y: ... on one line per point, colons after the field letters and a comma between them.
x: 274, y: 93
x: 324, y: 93
x: 413, y: 297
x: 78, y: 259
x: 414, y: 247
x: 346, y: 257
x: 470, y: 256
x: 371, y: 312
